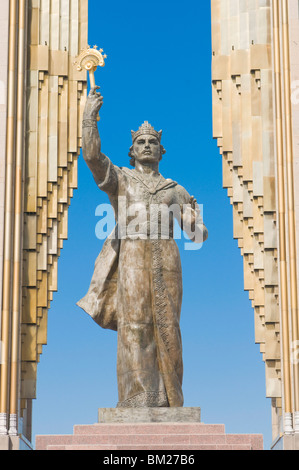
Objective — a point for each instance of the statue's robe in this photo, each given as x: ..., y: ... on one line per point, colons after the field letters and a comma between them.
x: 136, y: 289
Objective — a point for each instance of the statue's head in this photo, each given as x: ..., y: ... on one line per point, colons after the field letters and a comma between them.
x: 146, y: 146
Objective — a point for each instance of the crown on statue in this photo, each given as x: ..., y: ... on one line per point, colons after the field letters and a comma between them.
x: 146, y: 128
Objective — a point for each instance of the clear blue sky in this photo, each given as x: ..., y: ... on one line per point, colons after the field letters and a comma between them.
x: 158, y: 69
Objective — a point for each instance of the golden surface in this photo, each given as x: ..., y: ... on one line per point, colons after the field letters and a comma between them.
x: 52, y: 113
x: 253, y: 124
x: 244, y: 126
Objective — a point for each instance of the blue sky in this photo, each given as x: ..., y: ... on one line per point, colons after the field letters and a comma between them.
x: 158, y: 69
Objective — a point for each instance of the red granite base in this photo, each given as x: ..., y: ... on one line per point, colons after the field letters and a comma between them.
x: 150, y: 436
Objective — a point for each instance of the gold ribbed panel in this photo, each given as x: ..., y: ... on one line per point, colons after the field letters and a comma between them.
x: 243, y: 124
x: 55, y: 96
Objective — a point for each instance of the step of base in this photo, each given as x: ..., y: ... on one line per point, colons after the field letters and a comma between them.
x: 144, y: 439
x: 152, y: 447
x: 148, y: 441
x: 150, y: 428
x: 150, y: 436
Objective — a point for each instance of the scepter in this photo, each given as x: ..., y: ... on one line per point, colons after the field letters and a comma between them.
x: 90, y: 59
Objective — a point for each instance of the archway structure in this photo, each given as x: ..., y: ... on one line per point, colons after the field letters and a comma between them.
x: 255, y: 113
x: 40, y: 130
x: 255, y: 106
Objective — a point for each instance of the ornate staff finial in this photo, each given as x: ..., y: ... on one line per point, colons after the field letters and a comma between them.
x: 90, y: 59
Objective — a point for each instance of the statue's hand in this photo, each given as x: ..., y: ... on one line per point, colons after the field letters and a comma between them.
x: 190, y: 212
x: 93, y: 104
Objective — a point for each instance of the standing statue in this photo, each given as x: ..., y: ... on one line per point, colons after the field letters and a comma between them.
x: 136, y: 288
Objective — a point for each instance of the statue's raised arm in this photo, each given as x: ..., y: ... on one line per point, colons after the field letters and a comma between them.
x: 98, y: 163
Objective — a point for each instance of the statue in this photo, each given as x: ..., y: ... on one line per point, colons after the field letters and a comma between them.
x: 136, y: 288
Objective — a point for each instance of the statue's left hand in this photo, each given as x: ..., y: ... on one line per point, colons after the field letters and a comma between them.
x: 190, y: 212
x: 93, y: 104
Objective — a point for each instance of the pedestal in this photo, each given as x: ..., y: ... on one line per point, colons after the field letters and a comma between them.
x: 149, y: 415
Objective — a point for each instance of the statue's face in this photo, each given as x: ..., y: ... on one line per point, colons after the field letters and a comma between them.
x: 147, y: 149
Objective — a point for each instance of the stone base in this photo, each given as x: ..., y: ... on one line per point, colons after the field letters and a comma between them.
x: 134, y: 435
x: 14, y: 443
x: 287, y: 442
x: 149, y: 415
x: 4, y: 443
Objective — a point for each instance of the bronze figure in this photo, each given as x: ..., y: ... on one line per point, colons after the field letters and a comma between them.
x: 136, y: 287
